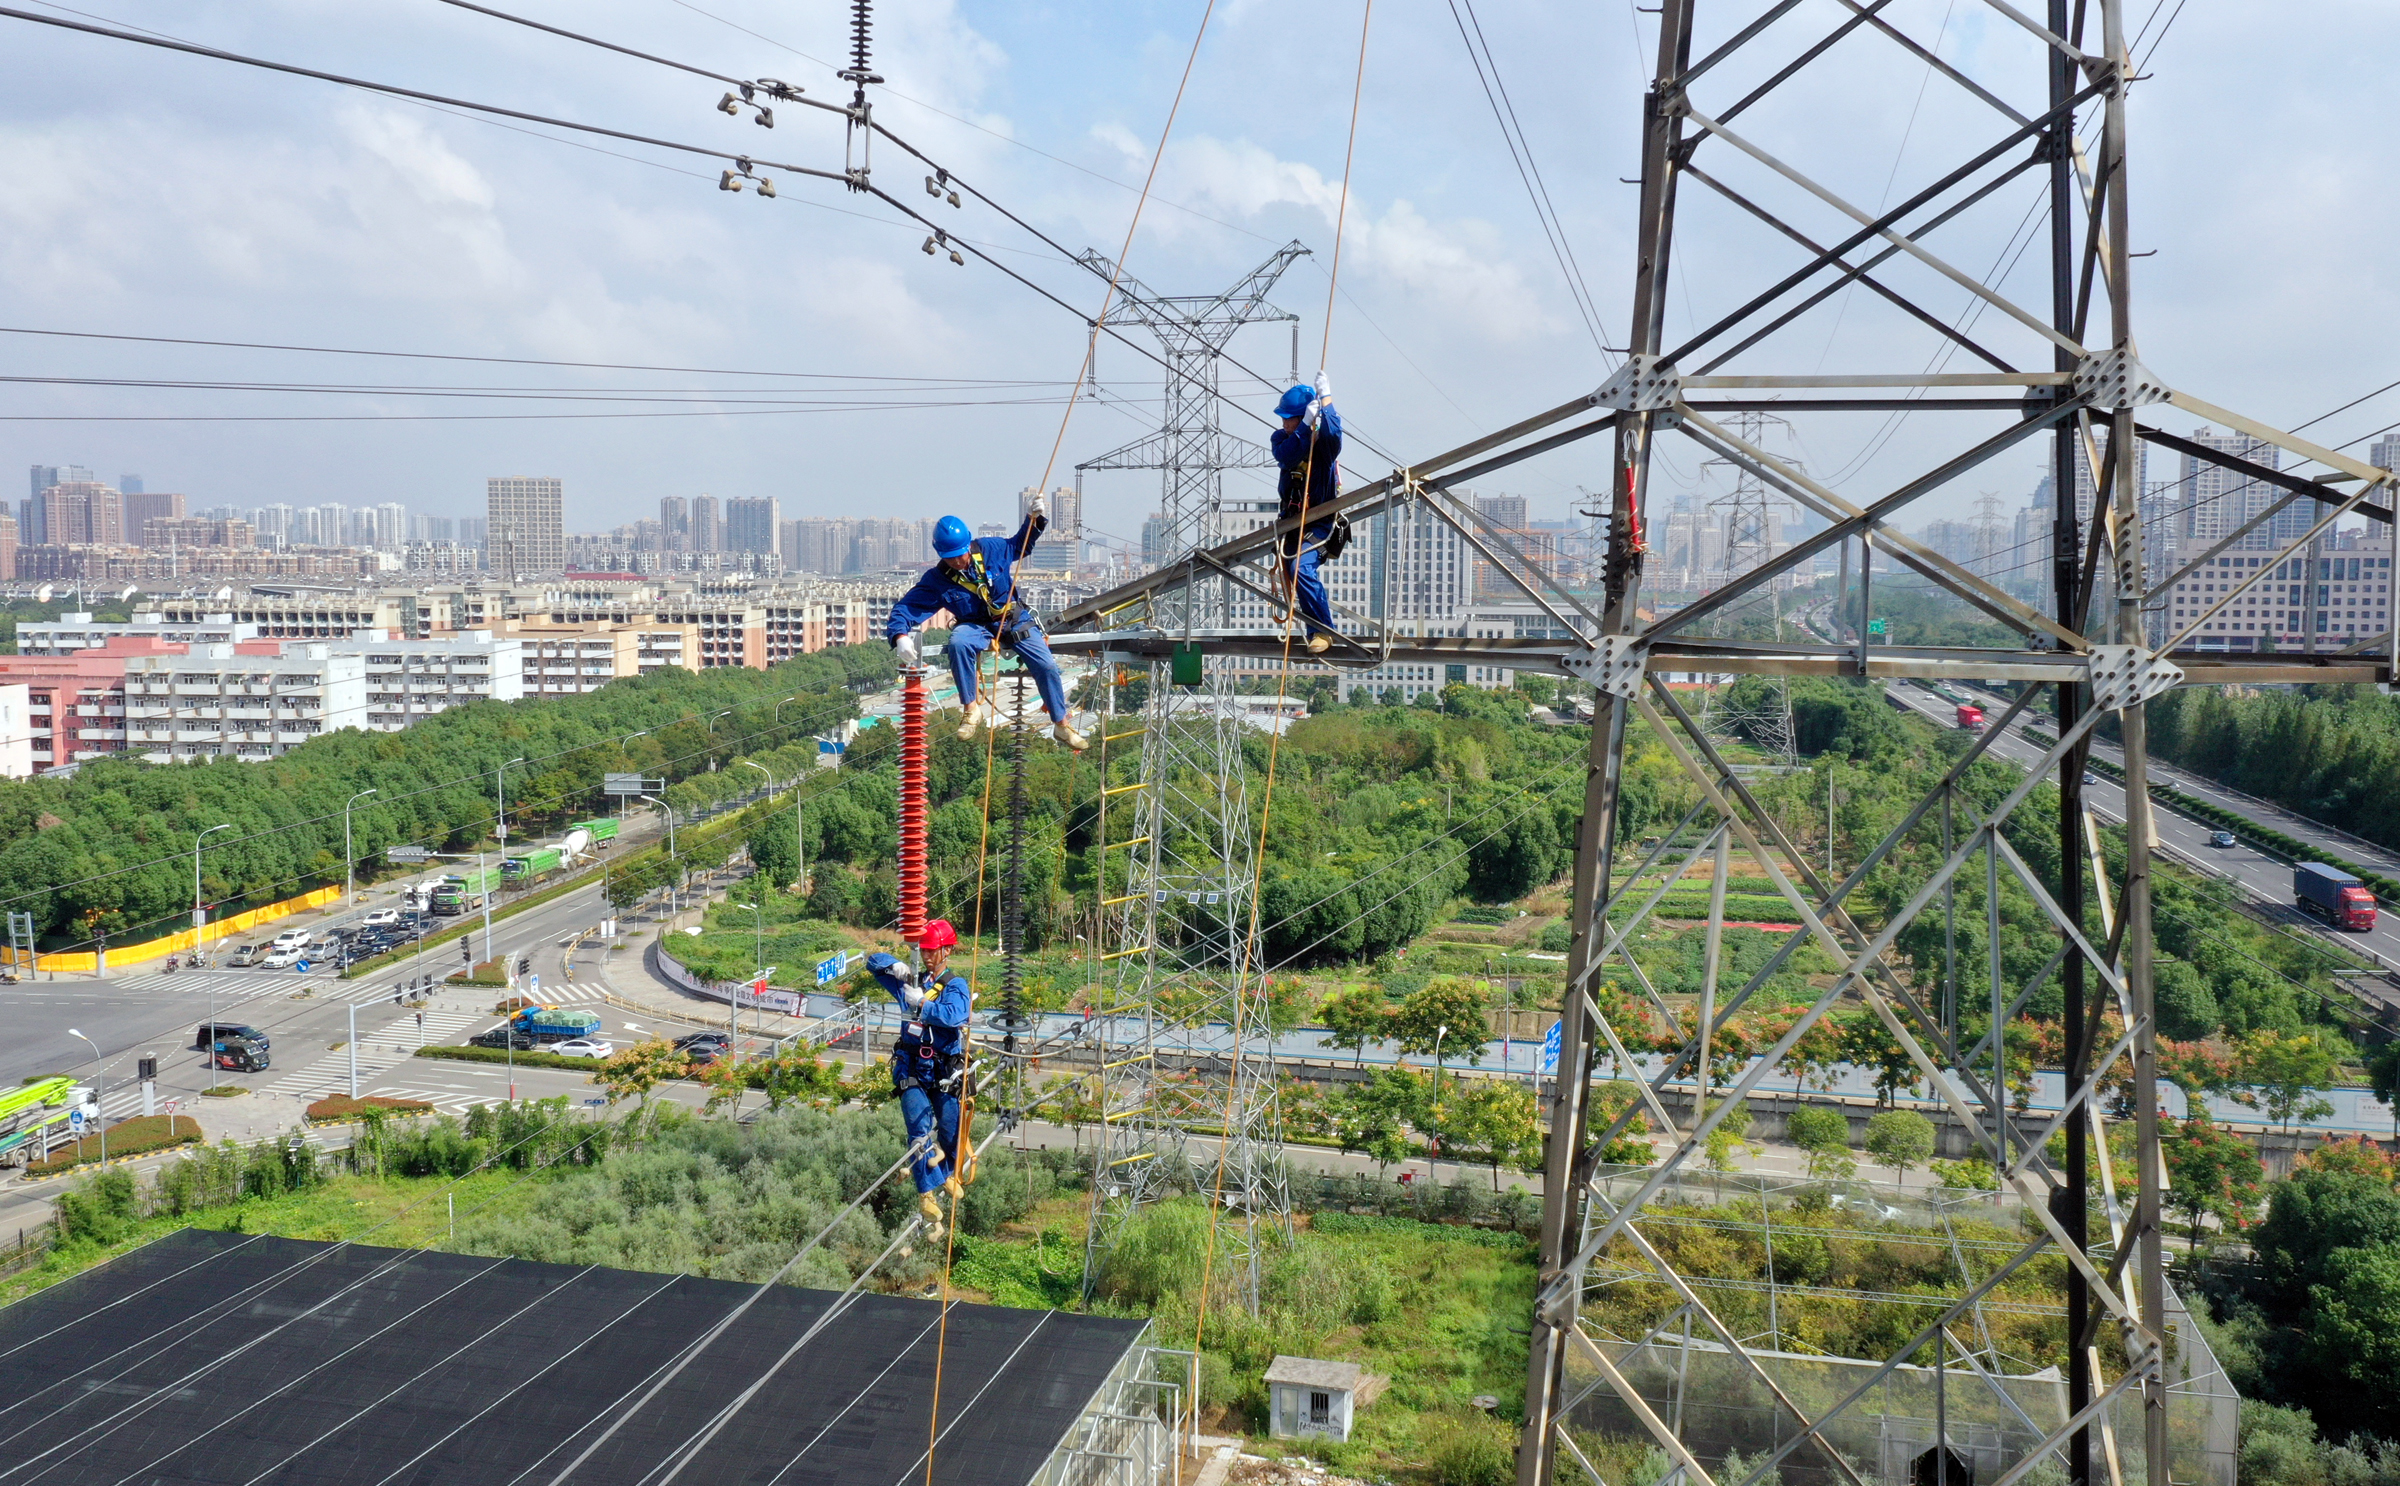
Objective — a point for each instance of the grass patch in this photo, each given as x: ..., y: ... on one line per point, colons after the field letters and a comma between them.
x: 222, y: 1091
x: 134, y: 1137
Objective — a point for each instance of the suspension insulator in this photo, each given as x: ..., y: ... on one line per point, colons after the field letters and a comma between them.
x: 912, y: 803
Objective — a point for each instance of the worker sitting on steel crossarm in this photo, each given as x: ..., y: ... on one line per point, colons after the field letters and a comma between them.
x: 975, y: 580
x: 1308, y: 452
x: 929, y: 1064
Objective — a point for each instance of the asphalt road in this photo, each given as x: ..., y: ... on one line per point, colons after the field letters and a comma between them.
x: 2263, y: 877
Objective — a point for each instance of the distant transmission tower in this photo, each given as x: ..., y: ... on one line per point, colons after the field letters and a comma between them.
x: 1178, y: 919
x: 1764, y: 716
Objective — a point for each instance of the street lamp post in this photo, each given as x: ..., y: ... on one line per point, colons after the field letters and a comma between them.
x: 200, y: 933
x: 758, y: 963
x: 100, y: 1083
x: 500, y: 829
x: 349, y: 853
x: 1438, y: 1034
x: 677, y: 887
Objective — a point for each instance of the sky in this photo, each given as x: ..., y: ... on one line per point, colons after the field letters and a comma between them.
x: 841, y: 370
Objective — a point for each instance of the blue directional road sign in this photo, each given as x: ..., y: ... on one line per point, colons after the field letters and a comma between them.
x: 1550, y: 1048
x: 831, y: 969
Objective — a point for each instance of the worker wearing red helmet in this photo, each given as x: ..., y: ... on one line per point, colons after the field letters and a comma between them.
x: 929, y: 1061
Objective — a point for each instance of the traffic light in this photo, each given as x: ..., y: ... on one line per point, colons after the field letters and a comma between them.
x: 148, y: 1068
x: 466, y: 949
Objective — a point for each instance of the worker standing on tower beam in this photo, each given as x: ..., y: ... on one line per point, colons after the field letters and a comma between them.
x: 975, y: 579
x: 1308, y: 451
x: 929, y: 1065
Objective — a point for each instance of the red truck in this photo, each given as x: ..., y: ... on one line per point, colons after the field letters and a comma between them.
x: 1970, y: 717
x: 2333, y: 895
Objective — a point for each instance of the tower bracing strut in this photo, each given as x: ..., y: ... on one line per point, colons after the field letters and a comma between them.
x: 1748, y: 136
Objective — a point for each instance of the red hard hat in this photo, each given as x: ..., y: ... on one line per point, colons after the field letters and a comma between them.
x: 937, y: 934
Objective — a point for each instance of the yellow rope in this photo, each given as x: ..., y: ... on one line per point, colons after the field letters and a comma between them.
x: 1233, y: 1072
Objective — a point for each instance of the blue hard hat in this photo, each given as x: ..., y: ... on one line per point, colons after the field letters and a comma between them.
x: 951, y: 537
x: 1296, y: 401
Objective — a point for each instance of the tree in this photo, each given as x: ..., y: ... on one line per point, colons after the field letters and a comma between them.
x: 1825, y: 1135
x: 2287, y: 1072
x: 775, y: 849
x: 1498, y: 1117
x: 636, y: 1074
x: 2211, y: 1173
x: 1355, y: 1017
x: 1727, y: 1137
x: 1512, y: 859
x: 2353, y: 1331
x: 2383, y: 1073
x: 1813, y: 1057
x: 1373, y: 1118
x: 1450, y: 1001
x: 2310, y: 1216
x: 1900, y: 1139
x: 1868, y: 1044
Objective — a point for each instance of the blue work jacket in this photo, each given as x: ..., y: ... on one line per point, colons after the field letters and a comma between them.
x: 1319, y: 452
x: 975, y: 596
x: 933, y: 1032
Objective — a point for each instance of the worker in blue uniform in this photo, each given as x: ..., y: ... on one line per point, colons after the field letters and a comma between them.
x: 974, y: 579
x: 929, y: 1063
x: 1308, y: 452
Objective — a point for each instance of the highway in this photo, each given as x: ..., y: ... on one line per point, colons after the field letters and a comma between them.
x: 2264, y: 878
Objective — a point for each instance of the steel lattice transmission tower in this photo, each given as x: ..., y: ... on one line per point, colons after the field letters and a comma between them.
x: 1762, y: 718
x: 1180, y: 922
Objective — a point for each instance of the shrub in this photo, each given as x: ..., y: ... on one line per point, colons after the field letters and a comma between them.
x: 464, y: 1054
x: 134, y: 1137
x: 100, y: 1211
x: 1813, y: 1128
x: 1474, y: 1451
x: 343, y: 1107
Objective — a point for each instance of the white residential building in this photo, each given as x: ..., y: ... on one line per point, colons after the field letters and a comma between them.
x: 2337, y: 595
x: 411, y: 680
x: 72, y: 632
x: 231, y: 701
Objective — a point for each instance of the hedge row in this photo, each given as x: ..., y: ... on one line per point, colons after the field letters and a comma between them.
x: 464, y: 1054
x: 2290, y: 848
x: 135, y: 1137
x: 343, y: 1107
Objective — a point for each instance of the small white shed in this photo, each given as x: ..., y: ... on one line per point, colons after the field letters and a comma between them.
x: 1312, y: 1398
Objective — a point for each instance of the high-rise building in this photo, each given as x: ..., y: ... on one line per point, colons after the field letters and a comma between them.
x: 1157, y: 530
x: 145, y: 506
x: 708, y: 528
x: 2214, y: 500
x: 751, y: 524
x: 44, y: 476
x: 131, y: 484
x: 82, y: 512
x: 675, y: 523
x: 527, y: 533
x: 1061, y: 546
x: 8, y: 547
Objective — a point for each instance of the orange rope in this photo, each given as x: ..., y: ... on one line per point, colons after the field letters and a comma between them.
x: 1090, y: 350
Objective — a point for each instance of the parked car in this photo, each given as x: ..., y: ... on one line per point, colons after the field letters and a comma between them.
x: 291, y: 939
x: 2220, y: 838
x: 583, y: 1047
x: 216, y: 1031
x: 245, y: 954
x: 281, y: 959
x: 502, y: 1037
x: 382, y: 917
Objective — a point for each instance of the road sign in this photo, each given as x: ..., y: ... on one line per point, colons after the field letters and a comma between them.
x: 831, y: 969
x: 407, y: 854
x: 1877, y: 627
x: 1550, y: 1048
x: 75, y: 1117
x: 630, y: 784
x: 302, y: 967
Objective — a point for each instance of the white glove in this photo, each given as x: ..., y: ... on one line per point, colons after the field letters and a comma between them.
x: 1324, y: 390
x: 906, y: 646
x: 913, y: 994
x: 1040, y: 506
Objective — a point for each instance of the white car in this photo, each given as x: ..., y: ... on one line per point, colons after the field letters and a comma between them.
x: 281, y: 959
x: 291, y: 939
x: 381, y: 917
x: 582, y: 1047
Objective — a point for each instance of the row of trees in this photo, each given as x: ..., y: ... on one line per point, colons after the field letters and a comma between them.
x: 109, y: 850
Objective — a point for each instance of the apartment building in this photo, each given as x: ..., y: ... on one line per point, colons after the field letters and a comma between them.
x: 559, y: 660
x: 72, y: 632
x: 75, y: 703
x: 2333, y: 595
x: 409, y: 680
x: 252, y: 700
x: 325, y: 615
x: 1516, y: 619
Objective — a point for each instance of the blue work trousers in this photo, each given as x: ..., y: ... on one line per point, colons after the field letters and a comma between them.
x: 921, y: 1107
x: 1316, y: 609
x: 1032, y: 649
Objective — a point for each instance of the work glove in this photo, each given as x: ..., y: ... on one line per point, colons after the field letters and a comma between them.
x: 1040, y: 509
x: 906, y: 645
x: 1317, y: 409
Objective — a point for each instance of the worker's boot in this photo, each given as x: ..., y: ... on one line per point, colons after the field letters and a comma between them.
x: 929, y: 1207
x: 978, y: 712
x: 1069, y: 737
x: 1319, y: 643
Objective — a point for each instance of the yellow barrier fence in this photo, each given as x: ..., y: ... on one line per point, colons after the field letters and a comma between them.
x: 87, y: 962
